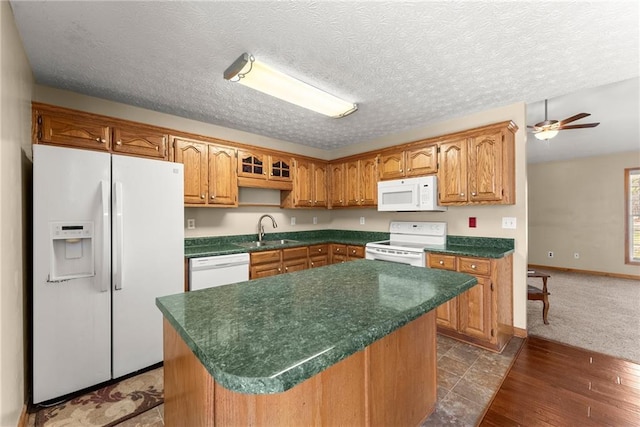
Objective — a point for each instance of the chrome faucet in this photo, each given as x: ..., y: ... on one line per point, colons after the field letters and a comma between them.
x: 261, y: 227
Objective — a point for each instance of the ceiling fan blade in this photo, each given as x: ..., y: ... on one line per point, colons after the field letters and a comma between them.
x: 574, y: 118
x: 586, y: 125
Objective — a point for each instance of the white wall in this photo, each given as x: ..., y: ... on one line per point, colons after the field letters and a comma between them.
x: 577, y: 206
x: 16, y: 84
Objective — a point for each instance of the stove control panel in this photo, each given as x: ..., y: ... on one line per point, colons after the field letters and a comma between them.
x: 421, y: 228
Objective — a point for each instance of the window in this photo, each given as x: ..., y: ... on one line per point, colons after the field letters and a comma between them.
x: 632, y: 220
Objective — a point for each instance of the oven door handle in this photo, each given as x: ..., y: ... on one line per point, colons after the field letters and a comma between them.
x: 404, y: 259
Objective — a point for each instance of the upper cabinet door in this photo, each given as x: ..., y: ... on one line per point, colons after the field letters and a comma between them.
x: 369, y: 183
x: 485, y: 167
x: 421, y: 161
x: 303, y: 187
x: 223, y: 179
x: 280, y: 168
x: 193, y: 155
x: 352, y: 176
x: 72, y: 131
x: 252, y: 164
x: 452, y: 173
x: 392, y: 165
x: 319, y: 182
x: 141, y: 141
x: 337, y: 188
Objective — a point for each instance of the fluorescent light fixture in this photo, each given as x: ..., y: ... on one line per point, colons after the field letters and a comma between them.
x: 256, y: 75
x: 546, y: 134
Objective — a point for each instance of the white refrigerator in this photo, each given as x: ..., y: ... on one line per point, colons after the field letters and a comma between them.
x: 108, y: 238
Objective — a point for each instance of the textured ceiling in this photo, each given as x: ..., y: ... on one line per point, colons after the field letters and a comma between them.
x: 407, y: 64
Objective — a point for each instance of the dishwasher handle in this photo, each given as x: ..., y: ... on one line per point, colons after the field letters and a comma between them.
x: 217, y: 266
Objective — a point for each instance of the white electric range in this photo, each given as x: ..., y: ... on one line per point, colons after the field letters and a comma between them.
x: 408, y: 241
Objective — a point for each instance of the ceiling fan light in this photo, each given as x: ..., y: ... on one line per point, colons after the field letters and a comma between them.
x: 546, y: 134
x: 249, y: 72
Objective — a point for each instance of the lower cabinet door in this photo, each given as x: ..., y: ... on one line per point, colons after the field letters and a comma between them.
x: 447, y: 314
x: 474, y: 315
x: 265, y: 270
x: 295, y: 265
x: 318, y: 261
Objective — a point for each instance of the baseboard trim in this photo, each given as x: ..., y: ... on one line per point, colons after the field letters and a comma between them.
x: 520, y: 333
x: 595, y: 273
x: 24, y: 417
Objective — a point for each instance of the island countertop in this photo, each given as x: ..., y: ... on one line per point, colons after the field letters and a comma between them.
x: 268, y: 335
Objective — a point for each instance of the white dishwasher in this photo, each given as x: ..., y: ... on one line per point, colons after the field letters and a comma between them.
x: 208, y: 272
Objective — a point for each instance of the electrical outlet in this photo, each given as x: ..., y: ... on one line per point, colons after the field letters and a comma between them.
x: 550, y: 254
x: 576, y: 255
x: 315, y: 219
x: 293, y: 220
x: 361, y: 220
x: 508, y: 222
x: 191, y: 224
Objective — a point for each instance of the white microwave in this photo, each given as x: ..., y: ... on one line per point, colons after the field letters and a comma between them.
x: 411, y: 194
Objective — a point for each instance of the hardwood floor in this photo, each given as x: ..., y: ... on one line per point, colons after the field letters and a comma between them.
x: 553, y: 384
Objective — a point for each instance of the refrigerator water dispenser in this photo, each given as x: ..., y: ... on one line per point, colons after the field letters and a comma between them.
x: 72, y: 250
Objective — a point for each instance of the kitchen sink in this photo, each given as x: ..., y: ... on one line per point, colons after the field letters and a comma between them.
x: 256, y: 244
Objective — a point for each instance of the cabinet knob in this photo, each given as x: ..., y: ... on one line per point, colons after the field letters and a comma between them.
x: 202, y: 196
x: 362, y: 200
x: 312, y: 264
x: 461, y: 194
x: 400, y: 170
x: 271, y: 174
x: 473, y: 193
x: 157, y: 148
x: 337, y: 249
x: 309, y: 201
x: 408, y: 169
x: 319, y: 250
x: 441, y: 262
x: 353, y: 251
x: 101, y: 140
x: 213, y: 196
x: 264, y: 173
x: 279, y: 270
x: 118, y: 142
x: 473, y: 266
x: 286, y: 269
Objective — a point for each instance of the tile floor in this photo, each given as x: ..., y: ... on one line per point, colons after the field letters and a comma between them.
x: 468, y: 377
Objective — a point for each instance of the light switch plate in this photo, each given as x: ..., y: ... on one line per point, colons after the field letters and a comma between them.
x: 315, y: 219
x: 361, y: 220
x: 191, y: 224
x: 508, y: 222
x: 293, y: 220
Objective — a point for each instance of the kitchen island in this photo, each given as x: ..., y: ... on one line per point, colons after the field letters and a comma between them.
x: 346, y: 344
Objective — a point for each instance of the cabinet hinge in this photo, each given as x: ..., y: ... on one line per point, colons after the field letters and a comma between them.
x: 39, y: 120
x: 491, y: 286
x: 493, y: 332
x: 502, y: 138
x: 438, y: 150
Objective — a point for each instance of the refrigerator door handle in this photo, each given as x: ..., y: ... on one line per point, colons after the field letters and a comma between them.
x: 104, y: 273
x: 118, y: 238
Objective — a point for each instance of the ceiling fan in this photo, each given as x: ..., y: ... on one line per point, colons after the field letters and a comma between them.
x: 549, y: 128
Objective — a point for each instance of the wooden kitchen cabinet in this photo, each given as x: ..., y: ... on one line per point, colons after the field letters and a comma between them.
x: 361, y: 184
x: 318, y: 255
x: 140, y: 141
x: 309, y: 186
x: 71, y: 128
x: 482, y: 315
x: 478, y: 167
x: 343, y: 253
x: 279, y: 261
x: 263, y: 169
x: 209, y: 172
x: 337, y: 185
x: 418, y: 160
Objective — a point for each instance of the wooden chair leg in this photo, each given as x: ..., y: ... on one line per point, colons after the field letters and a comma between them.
x: 545, y: 309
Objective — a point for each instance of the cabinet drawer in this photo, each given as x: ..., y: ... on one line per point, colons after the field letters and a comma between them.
x: 480, y: 266
x: 355, y: 251
x: 293, y: 253
x: 339, y: 249
x: 443, y: 262
x: 318, y: 250
x: 265, y: 256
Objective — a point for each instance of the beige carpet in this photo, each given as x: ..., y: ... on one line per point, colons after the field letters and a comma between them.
x: 593, y: 312
x: 109, y: 405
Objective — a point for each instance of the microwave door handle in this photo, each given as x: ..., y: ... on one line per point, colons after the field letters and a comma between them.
x: 416, y: 195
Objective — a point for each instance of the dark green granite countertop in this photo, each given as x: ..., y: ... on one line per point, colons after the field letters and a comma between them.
x: 484, y: 247
x: 267, y: 335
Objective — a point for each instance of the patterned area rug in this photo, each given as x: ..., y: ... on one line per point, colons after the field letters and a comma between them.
x: 107, y: 406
